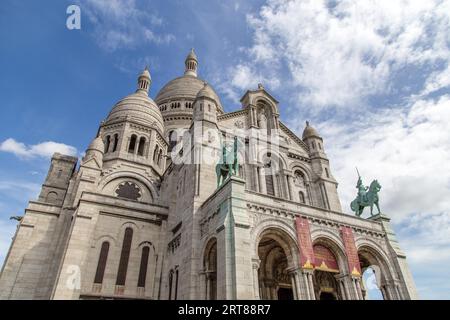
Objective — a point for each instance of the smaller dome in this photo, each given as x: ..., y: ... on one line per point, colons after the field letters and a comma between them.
x: 309, y: 132
x: 138, y: 107
x: 96, y: 145
x: 206, y: 92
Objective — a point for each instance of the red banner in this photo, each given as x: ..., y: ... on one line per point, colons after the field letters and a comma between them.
x: 325, y: 259
x: 351, y: 251
x: 304, y: 243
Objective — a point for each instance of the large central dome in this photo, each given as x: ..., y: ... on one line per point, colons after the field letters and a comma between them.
x: 185, y: 87
x: 176, y: 99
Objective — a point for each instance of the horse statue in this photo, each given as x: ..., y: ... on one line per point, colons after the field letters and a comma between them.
x: 226, y: 168
x: 367, y: 197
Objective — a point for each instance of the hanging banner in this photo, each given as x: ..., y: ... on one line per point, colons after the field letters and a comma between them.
x: 351, y: 251
x: 325, y: 259
x: 304, y: 243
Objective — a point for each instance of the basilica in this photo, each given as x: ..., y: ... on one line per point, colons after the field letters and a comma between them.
x: 175, y: 198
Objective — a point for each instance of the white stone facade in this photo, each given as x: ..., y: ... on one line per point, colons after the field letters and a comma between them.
x: 142, y: 216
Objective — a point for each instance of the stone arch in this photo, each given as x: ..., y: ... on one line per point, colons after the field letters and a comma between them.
x: 272, y: 223
x: 372, y: 257
x: 277, y: 255
x: 334, y: 243
x: 326, y: 286
x: 108, y: 183
x: 294, y: 166
x: 262, y: 100
x: 105, y: 237
x: 51, y: 197
x: 145, y: 243
x: 121, y: 231
x: 209, y: 264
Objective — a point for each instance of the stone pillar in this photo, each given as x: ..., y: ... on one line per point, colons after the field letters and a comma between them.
x: 290, y: 185
x: 294, y: 286
x: 276, y: 189
x: 202, y: 286
x: 311, y: 286
x: 256, y: 263
x: 341, y: 288
x: 256, y: 178
x: 208, y: 286
x: 262, y: 180
x: 358, y: 288
x: 306, y: 285
x: 302, y: 284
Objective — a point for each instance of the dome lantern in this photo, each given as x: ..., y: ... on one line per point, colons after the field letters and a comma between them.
x: 144, y: 81
x: 191, y: 63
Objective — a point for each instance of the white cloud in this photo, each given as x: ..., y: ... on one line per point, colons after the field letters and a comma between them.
x: 375, y: 76
x: 408, y: 150
x: 44, y: 149
x: 124, y: 23
x: 338, y: 53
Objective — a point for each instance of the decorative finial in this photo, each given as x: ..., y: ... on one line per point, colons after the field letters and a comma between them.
x: 260, y: 86
x: 307, y: 123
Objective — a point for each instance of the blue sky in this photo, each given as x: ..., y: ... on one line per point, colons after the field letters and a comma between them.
x: 373, y: 77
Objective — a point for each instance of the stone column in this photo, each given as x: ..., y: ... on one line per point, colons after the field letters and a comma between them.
x: 202, y: 286
x: 341, y: 288
x: 311, y: 285
x: 208, y: 286
x: 256, y: 178
x: 290, y: 185
x: 276, y: 190
x: 294, y: 286
x: 358, y: 288
x: 256, y: 263
x: 306, y: 285
x: 262, y: 180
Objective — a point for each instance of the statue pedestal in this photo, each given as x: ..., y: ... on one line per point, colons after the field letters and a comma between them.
x: 380, y: 218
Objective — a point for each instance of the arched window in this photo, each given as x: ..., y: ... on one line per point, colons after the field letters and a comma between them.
x: 132, y: 145
x: 299, y: 178
x: 141, y: 146
x: 143, y: 267
x: 155, y: 153
x: 301, y: 196
x: 108, y: 142
x: 210, y: 268
x: 159, y: 156
x: 124, y: 257
x: 269, y: 179
x: 172, y: 140
x: 115, y: 142
x: 101, y: 265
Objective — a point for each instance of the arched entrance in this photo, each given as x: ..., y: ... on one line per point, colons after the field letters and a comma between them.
x: 275, y: 254
x: 326, y: 286
x: 375, y: 275
x: 210, y: 269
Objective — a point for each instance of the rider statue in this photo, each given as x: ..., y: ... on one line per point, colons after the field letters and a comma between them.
x: 367, y: 197
x: 362, y: 189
